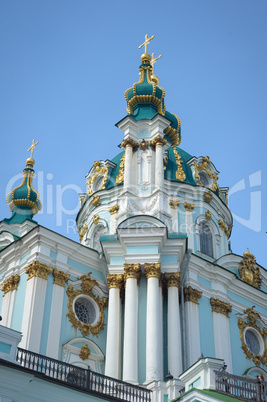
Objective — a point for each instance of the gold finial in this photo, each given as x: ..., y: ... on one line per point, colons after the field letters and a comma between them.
x: 32, y: 147
x: 153, y: 61
x: 146, y: 42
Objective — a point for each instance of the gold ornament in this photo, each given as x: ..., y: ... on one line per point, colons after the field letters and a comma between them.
x: 172, y: 279
x: 207, y: 215
x: 192, y: 295
x: 115, y: 281
x: 38, y: 269
x: 208, y: 197
x: 95, y: 219
x: 180, y: 174
x: 132, y: 271
x: 113, y: 210
x: 60, y: 277
x: 96, y: 200
x: 83, y: 231
x: 146, y: 42
x: 99, y: 171
x: 84, y: 352
x: 120, y: 176
x: 143, y: 145
x: 129, y: 142
x: 219, y: 306
x: 248, y: 272
x: 174, y: 204
x: 189, y: 207
x: 157, y: 141
x: 152, y: 270
x: 10, y: 284
x: 87, y: 289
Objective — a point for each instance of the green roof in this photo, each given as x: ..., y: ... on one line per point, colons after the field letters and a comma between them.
x: 211, y: 393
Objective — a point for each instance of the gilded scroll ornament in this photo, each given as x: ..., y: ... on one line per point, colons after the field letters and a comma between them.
x: 83, y: 231
x: 10, y: 284
x: 152, y: 270
x: 99, y: 171
x: 60, y: 277
x: 192, y: 295
x: 96, y: 201
x: 251, y: 319
x: 180, y: 174
x: 208, y: 197
x: 84, y: 352
x: 143, y: 145
x: 248, y: 270
x: 86, y: 289
x: 95, y: 219
x: 132, y: 271
x: 172, y: 279
x: 219, y: 306
x: 174, y: 204
x: 189, y: 207
x: 204, y: 166
x: 114, y: 209
x: 38, y: 269
x: 120, y: 176
x: 115, y: 281
x: 208, y: 215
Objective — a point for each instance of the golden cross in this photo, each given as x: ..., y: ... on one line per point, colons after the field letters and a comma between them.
x: 32, y: 147
x: 153, y: 61
x: 146, y: 42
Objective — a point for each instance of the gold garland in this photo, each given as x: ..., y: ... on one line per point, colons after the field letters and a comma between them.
x: 87, y: 286
x: 120, y: 176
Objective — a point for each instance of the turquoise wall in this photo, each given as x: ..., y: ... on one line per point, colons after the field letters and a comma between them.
x: 206, y: 328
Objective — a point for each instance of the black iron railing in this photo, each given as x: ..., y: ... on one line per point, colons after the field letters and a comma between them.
x: 243, y: 388
x: 86, y: 380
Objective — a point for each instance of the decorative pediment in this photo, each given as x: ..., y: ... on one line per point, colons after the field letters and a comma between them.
x: 248, y: 270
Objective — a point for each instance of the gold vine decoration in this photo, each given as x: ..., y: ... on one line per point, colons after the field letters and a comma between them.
x: 180, y: 174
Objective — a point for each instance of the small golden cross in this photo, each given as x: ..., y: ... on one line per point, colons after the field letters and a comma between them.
x: 146, y: 42
x: 153, y: 61
x: 32, y: 147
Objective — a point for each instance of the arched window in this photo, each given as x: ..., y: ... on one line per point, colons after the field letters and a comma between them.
x: 206, y: 242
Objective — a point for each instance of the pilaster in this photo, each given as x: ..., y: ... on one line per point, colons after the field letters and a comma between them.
x: 191, y: 297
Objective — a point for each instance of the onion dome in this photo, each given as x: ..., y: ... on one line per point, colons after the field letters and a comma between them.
x: 24, y: 199
x: 145, y: 98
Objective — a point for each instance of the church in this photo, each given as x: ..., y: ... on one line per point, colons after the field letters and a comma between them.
x: 152, y: 304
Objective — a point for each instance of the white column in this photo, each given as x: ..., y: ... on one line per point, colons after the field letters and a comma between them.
x: 9, y: 288
x: 52, y: 349
x: 193, y: 350
x: 161, y: 328
x: 159, y: 170
x: 113, y: 348
x: 189, y: 224
x: 221, y: 331
x: 130, y: 364
x: 174, y: 214
x: 33, y: 312
x: 128, y: 144
x: 175, y: 366
x: 153, y: 324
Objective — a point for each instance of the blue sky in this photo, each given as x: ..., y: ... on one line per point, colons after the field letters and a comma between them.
x: 65, y: 65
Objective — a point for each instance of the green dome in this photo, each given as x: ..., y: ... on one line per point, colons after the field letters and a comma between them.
x: 24, y: 199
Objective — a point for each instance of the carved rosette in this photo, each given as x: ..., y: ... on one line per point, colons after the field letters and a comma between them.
x: 87, y: 289
x: 248, y: 270
x: 219, y: 306
x: 172, y: 279
x: 208, y: 197
x: 251, y: 319
x: 157, y: 141
x: 96, y: 201
x: 180, y: 174
x: 189, y: 207
x: 38, y: 269
x: 60, y: 277
x: 10, y: 284
x: 192, y: 295
x: 115, y: 281
x: 120, y: 176
x: 84, y: 352
x: 129, y: 142
x: 152, y: 270
x: 114, y: 209
x: 174, y: 204
x: 132, y: 271
x: 95, y: 219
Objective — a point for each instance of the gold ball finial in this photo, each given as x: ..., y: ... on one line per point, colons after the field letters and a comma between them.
x: 30, y: 162
x: 145, y: 58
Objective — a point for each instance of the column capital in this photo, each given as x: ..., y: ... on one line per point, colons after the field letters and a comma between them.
x: 192, y: 295
x: 152, y: 270
x: 158, y: 141
x: 115, y: 281
x: 189, y: 207
x: 129, y: 142
x: 60, y: 277
x: 38, y: 269
x: 10, y: 284
x: 174, y: 204
x: 132, y: 271
x: 114, y: 209
x: 219, y: 306
x: 172, y: 279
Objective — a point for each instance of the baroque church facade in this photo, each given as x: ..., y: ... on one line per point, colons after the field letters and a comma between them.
x: 152, y: 295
